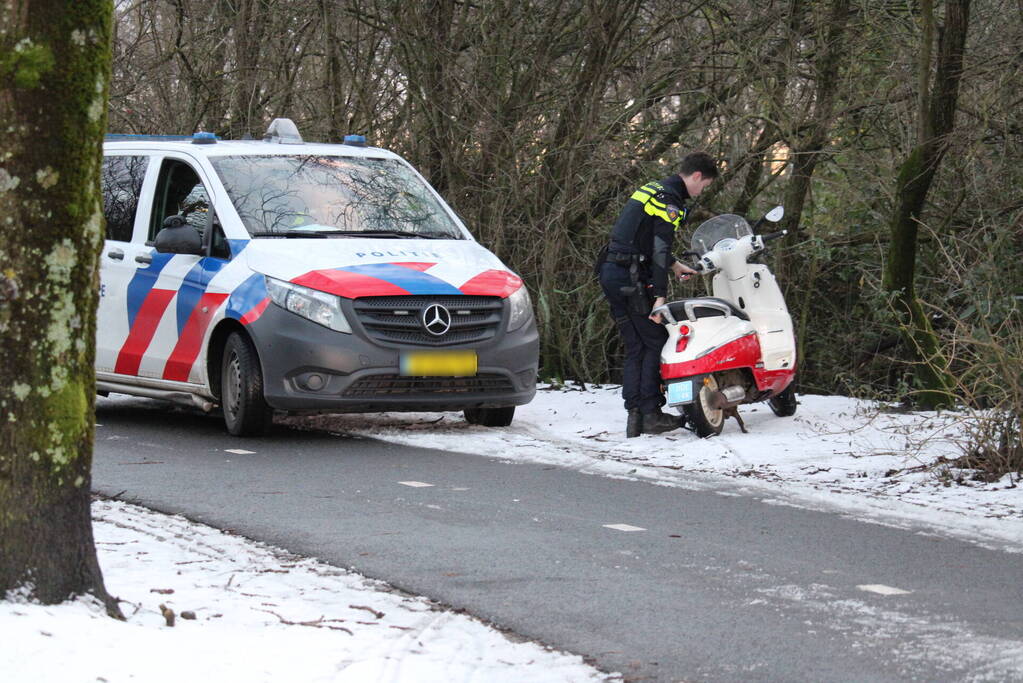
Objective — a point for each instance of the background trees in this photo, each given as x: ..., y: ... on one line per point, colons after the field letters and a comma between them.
x: 537, y: 118
x: 54, y: 70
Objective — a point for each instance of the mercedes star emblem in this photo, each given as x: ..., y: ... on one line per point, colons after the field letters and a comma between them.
x: 436, y: 319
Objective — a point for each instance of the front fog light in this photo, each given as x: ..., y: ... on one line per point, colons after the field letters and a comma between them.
x: 319, y: 307
x: 521, y: 308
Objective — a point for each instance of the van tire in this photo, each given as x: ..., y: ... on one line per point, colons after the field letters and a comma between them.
x: 246, y: 412
x: 490, y: 417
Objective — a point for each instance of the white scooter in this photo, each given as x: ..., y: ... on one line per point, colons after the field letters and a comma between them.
x: 737, y: 346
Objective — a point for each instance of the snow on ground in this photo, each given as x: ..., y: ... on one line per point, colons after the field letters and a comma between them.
x: 260, y: 614
x: 836, y: 453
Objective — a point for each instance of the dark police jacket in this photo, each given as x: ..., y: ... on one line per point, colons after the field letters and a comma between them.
x: 647, y: 226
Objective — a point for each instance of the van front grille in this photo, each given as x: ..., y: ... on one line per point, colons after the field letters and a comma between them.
x: 398, y: 320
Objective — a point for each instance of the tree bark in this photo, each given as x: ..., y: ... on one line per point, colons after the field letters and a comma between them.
x: 54, y: 73
x: 937, y: 121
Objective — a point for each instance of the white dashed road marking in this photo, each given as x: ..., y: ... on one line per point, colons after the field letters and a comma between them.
x: 624, y: 527
x: 414, y: 484
x: 239, y: 451
x: 882, y: 589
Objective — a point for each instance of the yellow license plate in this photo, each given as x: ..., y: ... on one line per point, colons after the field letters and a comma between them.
x: 439, y: 364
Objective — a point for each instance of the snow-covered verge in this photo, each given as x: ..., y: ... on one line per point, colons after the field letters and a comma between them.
x: 258, y: 614
x: 836, y: 453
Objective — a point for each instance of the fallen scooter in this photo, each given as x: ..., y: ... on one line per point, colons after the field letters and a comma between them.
x: 737, y: 346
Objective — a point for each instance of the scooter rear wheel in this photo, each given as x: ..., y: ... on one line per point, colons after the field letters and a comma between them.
x: 706, y: 420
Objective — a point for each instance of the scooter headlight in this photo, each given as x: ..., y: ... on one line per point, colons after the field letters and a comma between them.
x: 319, y: 307
x: 521, y: 308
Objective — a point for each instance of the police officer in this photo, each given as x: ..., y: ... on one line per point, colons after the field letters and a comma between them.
x: 634, y: 277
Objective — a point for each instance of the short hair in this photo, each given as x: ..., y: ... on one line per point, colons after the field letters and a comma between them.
x: 699, y: 161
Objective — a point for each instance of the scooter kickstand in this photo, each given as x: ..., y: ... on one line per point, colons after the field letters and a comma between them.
x: 734, y: 412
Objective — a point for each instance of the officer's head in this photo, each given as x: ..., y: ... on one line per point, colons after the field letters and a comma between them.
x: 698, y: 170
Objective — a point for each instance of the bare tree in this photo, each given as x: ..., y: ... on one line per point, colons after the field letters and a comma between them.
x: 536, y: 119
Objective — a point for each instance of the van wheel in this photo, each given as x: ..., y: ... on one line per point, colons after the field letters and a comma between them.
x: 490, y: 417
x: 706, y: 420
x: 241, y: 389
x: 784, y: 404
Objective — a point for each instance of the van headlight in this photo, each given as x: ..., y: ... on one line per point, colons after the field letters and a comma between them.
x: 320, y: 307
x: 521, y: 308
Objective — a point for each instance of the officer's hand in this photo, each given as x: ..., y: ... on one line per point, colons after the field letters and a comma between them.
x: 656, y: 317
x: 682, y: 271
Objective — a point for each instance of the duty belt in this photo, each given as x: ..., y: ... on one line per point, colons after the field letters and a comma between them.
x: 620, y: 259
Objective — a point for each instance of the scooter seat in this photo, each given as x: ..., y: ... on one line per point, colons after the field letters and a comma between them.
x: 705, y: 307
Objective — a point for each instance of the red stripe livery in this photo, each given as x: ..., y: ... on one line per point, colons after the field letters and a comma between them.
x: 493, y: 283
x: 348, y: 284
x: 141, y: 334
x: 180, y: 362
x: 256, y: 311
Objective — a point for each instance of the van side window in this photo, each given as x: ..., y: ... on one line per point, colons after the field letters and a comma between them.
x: 179, y: 192
x: 219, y: 246
x: 121, y: 179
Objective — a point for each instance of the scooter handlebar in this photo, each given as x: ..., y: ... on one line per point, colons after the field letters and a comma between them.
x: 773, y: 236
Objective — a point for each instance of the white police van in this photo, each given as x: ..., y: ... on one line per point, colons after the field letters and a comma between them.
x: 280, y: 275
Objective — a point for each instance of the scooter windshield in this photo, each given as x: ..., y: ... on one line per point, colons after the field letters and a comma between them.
x: 725, y: 226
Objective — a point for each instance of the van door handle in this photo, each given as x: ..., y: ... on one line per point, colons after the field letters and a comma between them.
x: 116, y: 254
x: 144, y: 258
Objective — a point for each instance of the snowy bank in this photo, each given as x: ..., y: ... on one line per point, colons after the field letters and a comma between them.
x: 248, y: 612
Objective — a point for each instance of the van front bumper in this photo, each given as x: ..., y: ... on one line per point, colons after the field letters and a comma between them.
x: 309, y: 368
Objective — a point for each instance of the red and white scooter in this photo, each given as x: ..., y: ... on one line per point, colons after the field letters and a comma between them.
x: 737, y: 346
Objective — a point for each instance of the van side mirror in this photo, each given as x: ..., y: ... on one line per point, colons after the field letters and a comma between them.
x: 178, y: 237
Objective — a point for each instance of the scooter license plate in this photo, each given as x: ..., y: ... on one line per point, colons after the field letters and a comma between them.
x: 439, y: 364
x: 680, y: 392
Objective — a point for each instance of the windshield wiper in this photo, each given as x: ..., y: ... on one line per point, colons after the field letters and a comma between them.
x: 395, y: 234
x: 292, y: 232
x: 399, y: 234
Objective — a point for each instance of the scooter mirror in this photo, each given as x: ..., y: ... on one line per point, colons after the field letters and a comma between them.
x: 775, y: 214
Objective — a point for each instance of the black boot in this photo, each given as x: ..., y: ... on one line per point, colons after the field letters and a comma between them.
x: 658, y: 422
x: 634, y: 427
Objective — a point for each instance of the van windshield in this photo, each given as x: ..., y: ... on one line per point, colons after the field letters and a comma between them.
x: 323, y: 196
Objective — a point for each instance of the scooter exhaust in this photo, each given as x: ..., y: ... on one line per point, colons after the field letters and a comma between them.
x: 727, y: 397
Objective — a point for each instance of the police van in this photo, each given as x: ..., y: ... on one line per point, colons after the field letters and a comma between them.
x: 281, y: 275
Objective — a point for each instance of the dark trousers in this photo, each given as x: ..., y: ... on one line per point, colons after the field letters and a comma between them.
x: 643, y: 339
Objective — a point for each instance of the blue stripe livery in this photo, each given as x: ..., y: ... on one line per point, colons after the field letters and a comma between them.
x: 409, y: 279
x: 237, y: 246
x: 142, y: 282
x: 194, y: 285
x: 246, y: 296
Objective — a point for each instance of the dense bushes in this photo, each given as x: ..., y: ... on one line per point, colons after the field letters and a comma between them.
x: 537, y: 119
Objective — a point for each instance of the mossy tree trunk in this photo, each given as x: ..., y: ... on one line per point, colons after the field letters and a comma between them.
x: 937, y: 107
x: 54, y: 73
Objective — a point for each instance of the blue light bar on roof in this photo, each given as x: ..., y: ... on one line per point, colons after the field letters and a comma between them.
x: 115, y: 137
x: 199, y: 138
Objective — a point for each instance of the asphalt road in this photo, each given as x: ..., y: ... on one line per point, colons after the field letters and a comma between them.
x: 700, y: 585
